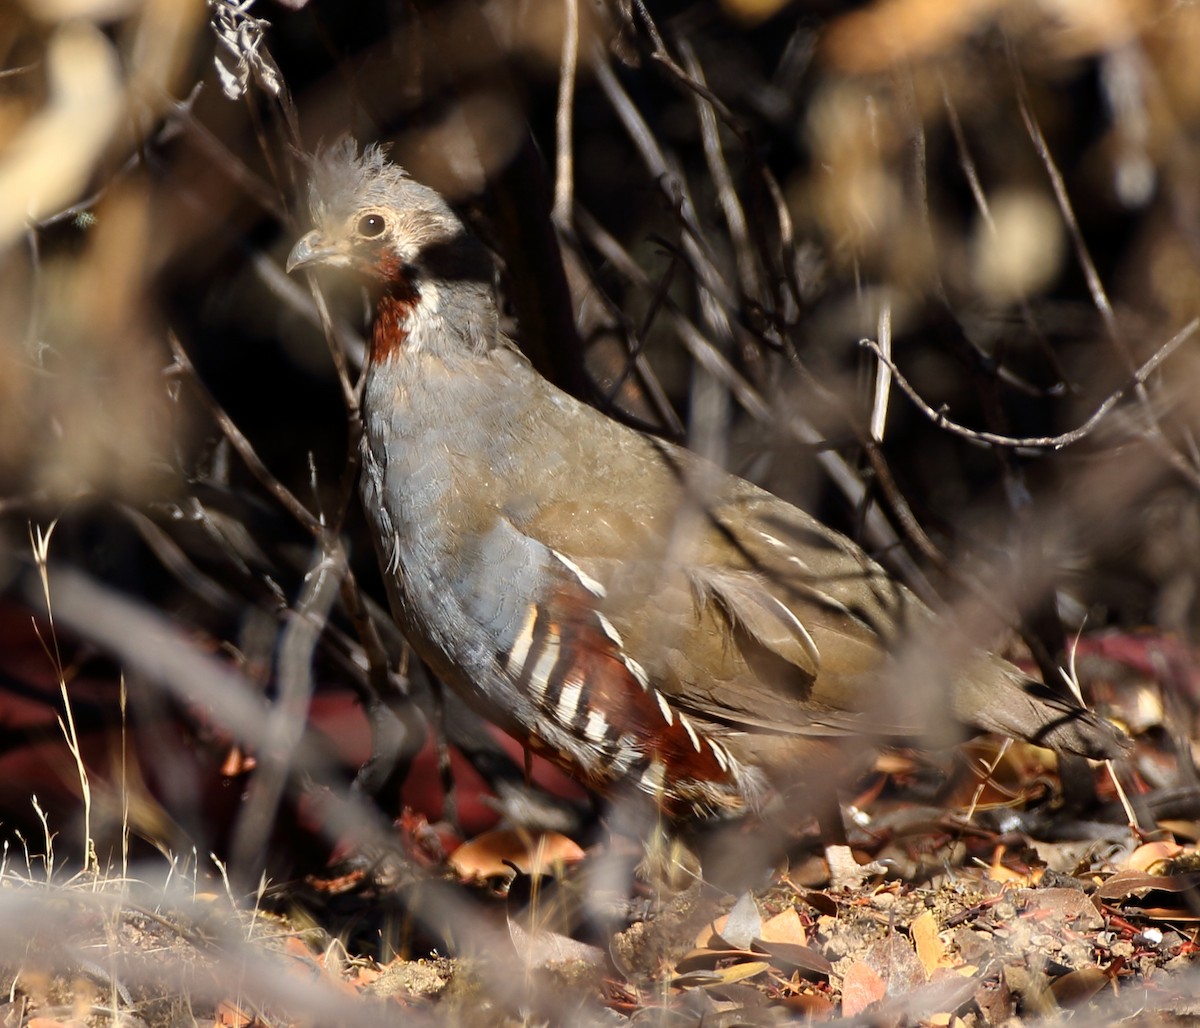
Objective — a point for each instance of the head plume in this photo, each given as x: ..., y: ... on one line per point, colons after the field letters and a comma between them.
x: 342, y: 180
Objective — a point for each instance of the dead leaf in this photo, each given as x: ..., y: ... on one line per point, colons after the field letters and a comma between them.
x: 696, y: 980
x: 487, y: 855
x: 997, y: 872
x: 740, y: 972
x: 543, y: 948
x: 230, y: 1015
x: 365, y: 976
x: 743, y: 924
x: 860, y: 988
x: 1146, y: 856
x: 814, y: 1005
x: 1071, y: 905
x: 707, y: 958
x: 1136, y: 883
x: 784, y: 927
x: 931, y: 951
x: 821, y: 902
x: 1078, y: 986
x: 1177, y: 915
x: 895, y: 961
x: 802, y: 958
x: 296, y: 947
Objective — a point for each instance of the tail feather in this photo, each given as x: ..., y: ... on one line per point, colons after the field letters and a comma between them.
x: 1031, y: 710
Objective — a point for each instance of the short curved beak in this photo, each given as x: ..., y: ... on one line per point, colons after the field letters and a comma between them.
x: 311, y: 249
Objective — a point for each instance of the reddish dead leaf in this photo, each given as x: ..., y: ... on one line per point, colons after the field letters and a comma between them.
x: 1146, y: 856
x: 860, y: 988
x: 821, y: 902
x: 784, y: 927
x: 814, y: 1005
x: 710, y: 935
x: 294, y: 946
x: 230, y: 1015
x: 1000, y: 776
x: 733, y: 931
x: 1072, y: 906
x: 1144, y: 653
x: 1136, y: 883
x: 486, y: 855
x: 995, y: 1001
x: 309, y: 964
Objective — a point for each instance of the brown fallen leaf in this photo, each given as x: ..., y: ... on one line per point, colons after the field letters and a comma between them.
x: 931, y: 951
x: 784, y: 927
x: 1136, y: 883
x: 803, y: 958
x: 860, y: 988
x: 1071, y: 905
x: 895, y: 960
x: 1149, y: 854
x: 1078, y: 986
x: 708, y: 958
x: 488, y: 855
x: 815, y: 1006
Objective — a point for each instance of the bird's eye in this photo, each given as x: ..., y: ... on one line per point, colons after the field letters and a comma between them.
x: 370, y: 226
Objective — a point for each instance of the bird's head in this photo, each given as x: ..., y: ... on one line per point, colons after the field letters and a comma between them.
x: 400, y: 237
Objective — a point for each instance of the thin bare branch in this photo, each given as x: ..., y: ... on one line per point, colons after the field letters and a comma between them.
x: 1055, y: 442
x: 883, y: 373
x: 731, y: 206
x: 656, y: 161
x: 1067, y: 209
x: 288, y: 714
x: 564, y: 170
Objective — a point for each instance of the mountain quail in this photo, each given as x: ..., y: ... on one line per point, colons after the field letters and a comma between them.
x: 637, y: 615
